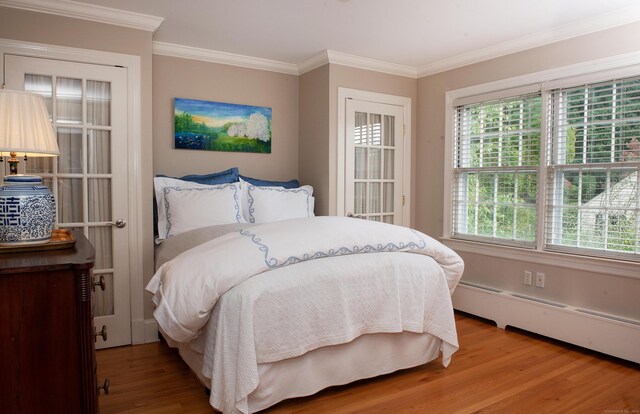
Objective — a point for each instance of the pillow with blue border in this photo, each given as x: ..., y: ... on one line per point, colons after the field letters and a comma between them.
x: 232, y: 175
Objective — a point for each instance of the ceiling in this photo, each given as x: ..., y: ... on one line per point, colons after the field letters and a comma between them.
x: 412, y: 33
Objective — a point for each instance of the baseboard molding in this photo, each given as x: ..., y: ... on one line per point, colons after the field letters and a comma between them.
x: 151, y: 331
x: 611, y: 335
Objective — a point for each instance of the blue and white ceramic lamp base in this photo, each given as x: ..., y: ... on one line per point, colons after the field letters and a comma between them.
x: 27, y: 211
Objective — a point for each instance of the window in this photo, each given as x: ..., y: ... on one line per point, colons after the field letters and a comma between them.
x: 594, y: 157
x: 550, y: 169
x: 497, y: 156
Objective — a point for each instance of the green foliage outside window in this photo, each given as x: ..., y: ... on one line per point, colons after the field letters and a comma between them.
x: 594, y: 147
x: 501, y: 157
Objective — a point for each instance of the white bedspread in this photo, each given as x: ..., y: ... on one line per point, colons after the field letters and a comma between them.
x: 276, y: 302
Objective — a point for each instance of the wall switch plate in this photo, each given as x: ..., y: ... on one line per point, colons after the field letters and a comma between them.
x: 527, y: 277
x: 540, y: 279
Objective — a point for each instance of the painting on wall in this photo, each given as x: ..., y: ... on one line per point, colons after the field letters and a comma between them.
x: 219, y: 126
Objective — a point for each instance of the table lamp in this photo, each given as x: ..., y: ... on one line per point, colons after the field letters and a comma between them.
x: 27, y: 208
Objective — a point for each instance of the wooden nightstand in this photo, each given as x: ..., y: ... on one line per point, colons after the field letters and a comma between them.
x: 47, y: 353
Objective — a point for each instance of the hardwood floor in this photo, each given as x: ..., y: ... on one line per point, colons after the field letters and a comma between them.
x: 495, y: 371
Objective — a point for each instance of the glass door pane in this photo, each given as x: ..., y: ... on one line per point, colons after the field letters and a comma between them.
x: 70, y: 145
x: 98, y: 103
x: 98, y: 151
x: 101, y: 238
x: 68, y: 95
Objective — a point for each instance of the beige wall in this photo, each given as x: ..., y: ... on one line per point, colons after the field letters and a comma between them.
x: 186, y: 78
x: 313, y: 161
x: 603, y: 292
x: 62, y: 31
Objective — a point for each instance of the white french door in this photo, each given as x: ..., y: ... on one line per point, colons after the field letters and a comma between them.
x: 374, y: 161
x: 88, y: 107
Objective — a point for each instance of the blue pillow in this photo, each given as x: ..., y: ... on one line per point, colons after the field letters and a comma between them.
x: 231, y: 175
x: 267, y: 183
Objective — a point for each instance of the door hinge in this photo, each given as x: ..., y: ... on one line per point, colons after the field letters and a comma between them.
x: 404, y: 130
x: 403, y: 200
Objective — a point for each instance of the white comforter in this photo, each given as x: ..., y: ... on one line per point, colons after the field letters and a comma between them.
x: 271, y: 311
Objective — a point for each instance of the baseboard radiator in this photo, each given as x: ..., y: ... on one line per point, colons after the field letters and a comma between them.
x: 609, y: 334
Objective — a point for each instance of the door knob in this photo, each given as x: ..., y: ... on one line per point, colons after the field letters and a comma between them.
x: 120, y: 223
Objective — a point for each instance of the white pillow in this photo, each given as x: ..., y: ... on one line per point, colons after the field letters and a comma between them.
x: 268, y: 204
x: 159, y: 184
x: 244, y: 189
x: 192, y: 208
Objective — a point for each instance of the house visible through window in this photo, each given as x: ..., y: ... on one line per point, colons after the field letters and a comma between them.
x: 553, y: 170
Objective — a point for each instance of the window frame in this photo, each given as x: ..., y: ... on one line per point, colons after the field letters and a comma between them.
x: 600, y: 70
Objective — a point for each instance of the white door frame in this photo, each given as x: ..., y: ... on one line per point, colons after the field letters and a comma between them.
x: 134, y: 149
x: 405, y: 103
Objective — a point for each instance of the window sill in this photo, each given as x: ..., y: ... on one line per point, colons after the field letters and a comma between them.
x: 611, y: 267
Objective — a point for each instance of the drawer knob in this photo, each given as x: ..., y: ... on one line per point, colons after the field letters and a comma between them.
x: 102, y: 333
x: 101, y: 282
x: 104, y: 387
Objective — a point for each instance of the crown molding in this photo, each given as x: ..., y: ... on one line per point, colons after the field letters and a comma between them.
x: 610, y: 20
x: 320, y: 59
x: 359, y: 62
x: 339, y: 58
x: 314, y: 62
x: 74, y: 9
x: 188, y: 52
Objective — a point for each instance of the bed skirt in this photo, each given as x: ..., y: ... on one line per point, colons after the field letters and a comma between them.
x: 365, y: 357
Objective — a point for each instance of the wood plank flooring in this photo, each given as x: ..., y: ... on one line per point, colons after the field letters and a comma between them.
x: 495, y: 371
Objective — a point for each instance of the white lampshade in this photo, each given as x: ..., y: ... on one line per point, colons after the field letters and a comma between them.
x: 25, y: 127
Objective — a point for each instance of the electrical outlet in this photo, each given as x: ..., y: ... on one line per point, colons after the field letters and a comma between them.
x: 540, y: 279
x: 527, y: 277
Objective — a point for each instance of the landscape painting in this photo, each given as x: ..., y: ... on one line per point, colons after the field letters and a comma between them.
x: 219, y: 126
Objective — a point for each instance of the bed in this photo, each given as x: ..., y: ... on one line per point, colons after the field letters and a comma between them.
x: 265, y: 309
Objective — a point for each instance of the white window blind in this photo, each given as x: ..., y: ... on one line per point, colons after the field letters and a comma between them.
x: 592, y: 174
x: 496, y: 161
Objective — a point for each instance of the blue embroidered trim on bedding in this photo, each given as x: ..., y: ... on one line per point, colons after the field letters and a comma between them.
x: 272, y: 262
x: 250, y: 199
x: 279, y: 190
x: 233, y: 186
